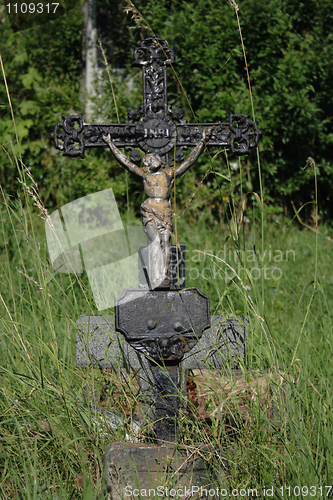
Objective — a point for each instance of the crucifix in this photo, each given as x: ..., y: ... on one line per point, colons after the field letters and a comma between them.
x: 166, y: 321
x: 156, y: 209
x: 163, y: 135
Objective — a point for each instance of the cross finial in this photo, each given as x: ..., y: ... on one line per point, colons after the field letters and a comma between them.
x: 153, y: 50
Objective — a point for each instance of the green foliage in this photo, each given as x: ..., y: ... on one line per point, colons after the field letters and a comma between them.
x: 52, y: 445
x: 43, y: 70
x: 289, y: 47
x: 289, y: 50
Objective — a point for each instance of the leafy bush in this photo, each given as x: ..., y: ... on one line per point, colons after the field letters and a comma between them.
x: 289, y: 51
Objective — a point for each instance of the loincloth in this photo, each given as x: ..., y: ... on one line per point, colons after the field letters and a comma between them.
x: 160, y: 217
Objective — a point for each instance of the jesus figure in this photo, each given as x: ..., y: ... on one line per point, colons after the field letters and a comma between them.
x: 156, y: 211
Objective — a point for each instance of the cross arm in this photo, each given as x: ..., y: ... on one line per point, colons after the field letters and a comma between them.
x: 73, y: 135
x: 156, y: 134
x: 239, y: 134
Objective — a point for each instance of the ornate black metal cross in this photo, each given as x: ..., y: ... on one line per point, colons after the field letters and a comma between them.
x: 159, y: 128
x: 165, y: 321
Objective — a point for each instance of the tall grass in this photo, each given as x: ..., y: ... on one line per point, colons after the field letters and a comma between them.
x: 52, y: 441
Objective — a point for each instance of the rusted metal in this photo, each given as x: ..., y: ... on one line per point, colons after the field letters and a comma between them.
x: 162, y: 324
x: 153, y: 134
x: 166, y: 380
x: 163, y: 135
x: 164, y: 321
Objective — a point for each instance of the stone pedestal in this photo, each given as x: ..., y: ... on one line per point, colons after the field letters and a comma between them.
x: 99, y: 345
x: 138, y: 471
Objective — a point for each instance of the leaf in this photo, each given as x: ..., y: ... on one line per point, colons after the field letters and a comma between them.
x: 36, y: 146
x: 259, y: 202
x: 221, y: 175
x: 30, y: 107
x: 297, y: 214
x: 31, y: 78
x: 23, y: 127
x: 89, y: 491
x: 21, y: 57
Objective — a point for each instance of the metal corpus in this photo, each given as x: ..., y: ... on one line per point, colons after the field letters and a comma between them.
x: 156, y: 210
x: 160, y: 128
x: 162, y: 324
x: 176, y: 267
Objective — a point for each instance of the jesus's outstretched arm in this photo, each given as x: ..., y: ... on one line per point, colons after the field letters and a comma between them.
x: 194, y: 155
x: 122, y: 159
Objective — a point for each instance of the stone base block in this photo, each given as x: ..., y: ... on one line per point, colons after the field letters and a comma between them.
x: 138, y: 471
x: 99, y: 345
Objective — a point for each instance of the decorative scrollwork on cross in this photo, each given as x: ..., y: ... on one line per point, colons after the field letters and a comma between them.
x: 153, y: 50
x: 162, y: 324
x: 167, y: 348
x: 154, y: 127
x: 70, y: 135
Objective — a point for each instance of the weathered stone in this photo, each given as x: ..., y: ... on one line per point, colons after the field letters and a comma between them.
x: 98, y: 345
x: 224, y: 341
x: 131, y: 470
